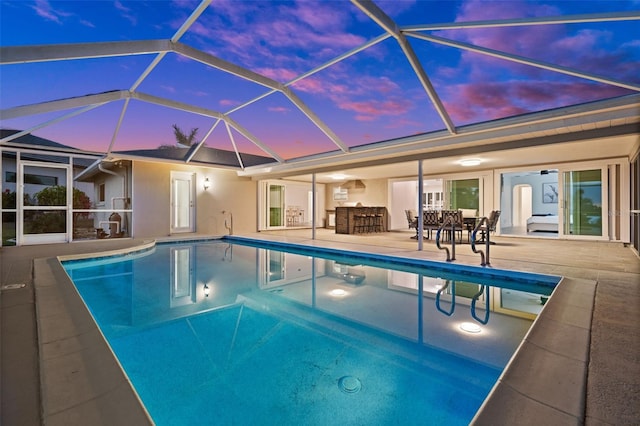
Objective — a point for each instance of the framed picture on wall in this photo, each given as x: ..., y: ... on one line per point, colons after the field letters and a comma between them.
x: 549, y: 193
x: 340, y: 194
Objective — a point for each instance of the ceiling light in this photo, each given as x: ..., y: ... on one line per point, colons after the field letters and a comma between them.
x: 470, y: 162
x: 470, y: 327
x: 338, y: 177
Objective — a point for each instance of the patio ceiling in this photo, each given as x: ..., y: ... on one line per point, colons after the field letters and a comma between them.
x: 317, y: 84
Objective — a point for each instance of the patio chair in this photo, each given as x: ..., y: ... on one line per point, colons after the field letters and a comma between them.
x: 431, y: 221
x: 492, y: 221
x: 454, y: 217
x: 412, y: 221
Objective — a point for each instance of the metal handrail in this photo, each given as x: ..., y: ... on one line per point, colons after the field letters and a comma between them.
x: 483, y: 220
x: 483, y: 289
x: 453, y: 297
x: 445, y: 222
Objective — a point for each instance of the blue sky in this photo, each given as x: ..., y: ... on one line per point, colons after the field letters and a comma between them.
x: 371, y: 96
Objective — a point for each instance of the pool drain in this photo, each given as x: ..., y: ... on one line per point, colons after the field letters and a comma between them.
x: 349, y: 384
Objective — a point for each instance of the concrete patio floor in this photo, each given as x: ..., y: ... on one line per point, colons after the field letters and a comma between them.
x: 599, y: 305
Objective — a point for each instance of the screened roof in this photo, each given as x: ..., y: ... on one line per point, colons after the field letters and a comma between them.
x: 292, y: 80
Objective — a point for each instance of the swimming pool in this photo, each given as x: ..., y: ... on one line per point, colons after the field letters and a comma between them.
x: 226, y: 332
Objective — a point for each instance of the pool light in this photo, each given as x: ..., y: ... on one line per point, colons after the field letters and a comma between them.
x: 338, y: 292
x: 470, y: 327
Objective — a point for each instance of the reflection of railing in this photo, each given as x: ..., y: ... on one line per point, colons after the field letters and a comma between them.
x: 453, y: 297
x: 482, y: 225
x: 483, y: 289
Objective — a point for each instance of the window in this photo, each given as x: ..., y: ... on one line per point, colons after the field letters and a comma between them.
x: 10, y: 177
x: 101, y: 193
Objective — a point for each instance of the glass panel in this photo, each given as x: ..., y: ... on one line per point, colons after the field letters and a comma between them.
x: 276, y: 205
x: 182, y: 200
x: 583, y: 206
x: 45, y: 221
x: 463, y: 194
x: 45, y: 186
x: 8, y: 229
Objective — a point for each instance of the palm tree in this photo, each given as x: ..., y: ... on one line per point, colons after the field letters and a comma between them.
x: 184, y: 140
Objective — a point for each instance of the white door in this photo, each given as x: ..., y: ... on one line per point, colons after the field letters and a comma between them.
x: 44, y: 205
x: 182, y: 202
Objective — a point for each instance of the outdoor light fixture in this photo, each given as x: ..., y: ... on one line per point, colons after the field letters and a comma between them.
x: 207, y: 183
x: 470, y: 327
x: 470, y: 162
x: 206, y: 290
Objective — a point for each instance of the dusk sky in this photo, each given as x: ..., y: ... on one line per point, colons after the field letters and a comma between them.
x: 369, y: 97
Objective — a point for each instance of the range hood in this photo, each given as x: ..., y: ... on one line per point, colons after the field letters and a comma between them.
x: 353, y: 184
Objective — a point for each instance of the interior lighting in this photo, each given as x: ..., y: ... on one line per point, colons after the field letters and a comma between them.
x: 206, y: 184
x: 470, y: 327
x: 338, y: 177
x: 470, y: 162
x: 206, y: 290
x: 338, y: 292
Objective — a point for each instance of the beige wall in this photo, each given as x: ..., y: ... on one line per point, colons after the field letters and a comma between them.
x: 374, y: 194
x: 228, y: 192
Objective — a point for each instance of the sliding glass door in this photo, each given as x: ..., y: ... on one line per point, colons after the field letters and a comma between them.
x: 583, y: 200
x: 275, y: 201
x: 462, y: 194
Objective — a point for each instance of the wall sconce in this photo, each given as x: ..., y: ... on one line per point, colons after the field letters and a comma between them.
x: 206, y: 290
x: 206, y: 184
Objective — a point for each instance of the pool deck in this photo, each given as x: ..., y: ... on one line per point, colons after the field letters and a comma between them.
x: 579, y: 364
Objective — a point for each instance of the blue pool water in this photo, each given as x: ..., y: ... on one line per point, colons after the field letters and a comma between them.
x: 219, y: 332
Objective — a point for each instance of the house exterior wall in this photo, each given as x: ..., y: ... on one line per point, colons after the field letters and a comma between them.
x: 228, y: 192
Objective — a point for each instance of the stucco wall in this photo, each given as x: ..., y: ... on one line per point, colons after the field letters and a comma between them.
x: 228, y: 192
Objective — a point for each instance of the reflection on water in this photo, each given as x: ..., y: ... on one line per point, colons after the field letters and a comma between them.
x: 237, y: 317
x: 178, y: 280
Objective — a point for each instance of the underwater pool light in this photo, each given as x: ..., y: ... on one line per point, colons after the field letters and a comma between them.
x: 470, y: 327
x: 338, y: 292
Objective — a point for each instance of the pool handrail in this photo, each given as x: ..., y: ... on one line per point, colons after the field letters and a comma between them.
x: 484, y: 261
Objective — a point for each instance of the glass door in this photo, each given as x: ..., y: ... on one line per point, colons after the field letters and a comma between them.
x: 182, y: 202
x: 43, y: 200
x: 583, y: 199
x: 462, y: 194
x: 275, y: 203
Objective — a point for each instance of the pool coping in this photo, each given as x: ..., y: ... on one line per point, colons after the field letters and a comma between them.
x: 543, y: 383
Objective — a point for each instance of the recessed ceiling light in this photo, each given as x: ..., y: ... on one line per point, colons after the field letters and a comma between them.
x: 470, y: 327
x: 338, y: 292
x: 470, y: 162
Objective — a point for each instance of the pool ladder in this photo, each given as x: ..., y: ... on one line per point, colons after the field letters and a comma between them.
x: 484, y: 260
x: 450, y: 256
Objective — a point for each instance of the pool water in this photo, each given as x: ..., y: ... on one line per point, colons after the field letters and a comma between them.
x: 214, y: 332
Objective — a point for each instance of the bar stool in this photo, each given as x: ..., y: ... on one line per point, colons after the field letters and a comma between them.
x: 379, y: 221
x: 360, y: 223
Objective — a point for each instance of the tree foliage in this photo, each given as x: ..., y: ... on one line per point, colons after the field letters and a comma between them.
x: 182, y: 138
